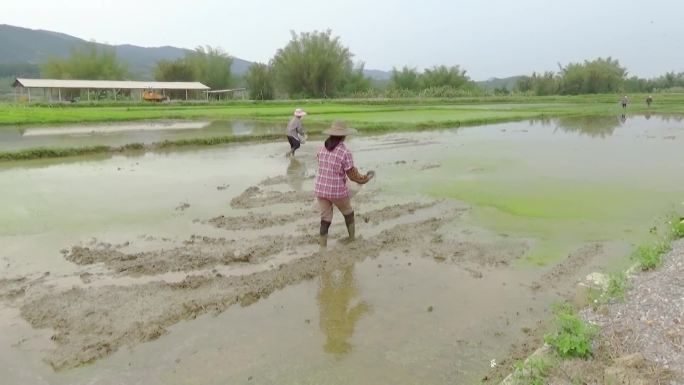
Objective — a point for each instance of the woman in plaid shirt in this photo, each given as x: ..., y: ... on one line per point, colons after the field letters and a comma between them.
x: 335, y: 165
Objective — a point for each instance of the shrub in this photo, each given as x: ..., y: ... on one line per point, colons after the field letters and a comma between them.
x: 573, y: 336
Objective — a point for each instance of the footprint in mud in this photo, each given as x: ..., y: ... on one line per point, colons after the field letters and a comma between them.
x: 182, y: 206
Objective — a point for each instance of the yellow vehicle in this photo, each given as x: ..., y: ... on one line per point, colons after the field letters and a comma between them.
x: 152, y: 96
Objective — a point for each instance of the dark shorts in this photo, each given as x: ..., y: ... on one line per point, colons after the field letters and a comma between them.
x: 294, y: 143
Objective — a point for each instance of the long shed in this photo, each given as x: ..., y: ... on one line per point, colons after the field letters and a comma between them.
x: 116, y: 86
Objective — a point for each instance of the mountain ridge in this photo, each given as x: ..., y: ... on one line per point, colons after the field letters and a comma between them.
x: 31, y: 46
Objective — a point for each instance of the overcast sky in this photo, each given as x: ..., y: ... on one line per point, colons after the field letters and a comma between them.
x: 489, y: 38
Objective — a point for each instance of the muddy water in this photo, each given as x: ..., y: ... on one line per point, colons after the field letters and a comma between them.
x: 433, y: 292
x: 119, y: 134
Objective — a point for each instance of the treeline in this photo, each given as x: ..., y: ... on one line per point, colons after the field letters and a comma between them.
x: 317, y: 65
x: 595, y: 77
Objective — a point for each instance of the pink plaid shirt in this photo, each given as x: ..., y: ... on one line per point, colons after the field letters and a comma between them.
x: 331, y: 181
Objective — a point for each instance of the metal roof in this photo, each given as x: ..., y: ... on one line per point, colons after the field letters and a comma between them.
x: 108, y: 84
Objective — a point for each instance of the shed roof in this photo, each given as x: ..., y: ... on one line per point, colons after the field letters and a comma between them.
x: 108, y: 84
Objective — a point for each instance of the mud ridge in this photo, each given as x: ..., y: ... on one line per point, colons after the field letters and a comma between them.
x: 255, y: 221
x: 197, y: 253
x: 256, y: 197
x: 92, y: 323
x: 575, y: 261
x: 394, y: 211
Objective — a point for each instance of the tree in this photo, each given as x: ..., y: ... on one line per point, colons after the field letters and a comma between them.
x: 443, y: 76
x: 213, y: 66
x: 179, y: 70
x: 406, y: 79
x: 312, y: 64
x: 356, y: 81
x: 591, y: 77
x: 87, y: 62
x: 259, y: 80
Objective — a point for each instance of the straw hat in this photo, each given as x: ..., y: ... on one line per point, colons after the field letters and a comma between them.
x: 339, y: 128
x: 299, y: 112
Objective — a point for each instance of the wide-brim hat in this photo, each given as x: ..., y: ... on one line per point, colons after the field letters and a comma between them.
x: 299, y: 112
x: 339, y: 128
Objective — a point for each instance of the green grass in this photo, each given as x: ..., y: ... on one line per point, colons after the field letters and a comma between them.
x: 41, y: 152
x: 369, y: 115
x: 650, y: 256
x: 364, y: 111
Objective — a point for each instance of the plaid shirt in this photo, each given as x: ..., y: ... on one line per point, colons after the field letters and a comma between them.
x: 331, y: 181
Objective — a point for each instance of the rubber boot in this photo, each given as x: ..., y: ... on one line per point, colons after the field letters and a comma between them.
x: 323, y: 237
x: 349, y: 221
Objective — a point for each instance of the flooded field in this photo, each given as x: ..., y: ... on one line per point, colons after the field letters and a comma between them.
x: 201, y: 266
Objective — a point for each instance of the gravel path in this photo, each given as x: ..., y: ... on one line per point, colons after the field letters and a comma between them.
x: 651, y: 320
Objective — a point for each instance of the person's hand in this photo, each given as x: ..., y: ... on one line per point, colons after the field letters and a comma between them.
x: 370, y: 174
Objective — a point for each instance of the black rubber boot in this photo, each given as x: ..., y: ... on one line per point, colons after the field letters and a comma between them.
x: 323, y: 238
x: 349, y: 221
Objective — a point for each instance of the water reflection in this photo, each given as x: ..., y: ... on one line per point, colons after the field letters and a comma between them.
x: 296, y: 174
x: 594, y: 126
x: 338, y: 315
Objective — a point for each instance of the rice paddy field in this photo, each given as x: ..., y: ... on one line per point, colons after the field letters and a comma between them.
x: 176, y: 244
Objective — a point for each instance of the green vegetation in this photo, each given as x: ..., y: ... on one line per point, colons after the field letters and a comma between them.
x: 208, y: 65
x: 88, y: 61
x: 438, y: 81
x: 594, y: 77
x: 650, y: 256
x: 405, y: 79
x: 179, y: 70
x: 420, y: 113
x: 617, y: 286
x: 533, y: 371
x: 573, y: 337
x: 41, y: 152
x: 616, y: 290
x: 259, y: 80
x: 312, y: 64
x: 676, y: 228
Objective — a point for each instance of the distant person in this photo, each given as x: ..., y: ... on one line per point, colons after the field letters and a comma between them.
x: 624, y: 101
x: 335, y: 165
x: 295, y: 131
x: 649, y: 100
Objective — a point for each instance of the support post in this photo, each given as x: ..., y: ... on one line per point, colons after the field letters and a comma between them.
x: 59, y: 94
x: 186, y: 95
x: 88, y: 93
x: 29, y: 94
x: 114, y: 89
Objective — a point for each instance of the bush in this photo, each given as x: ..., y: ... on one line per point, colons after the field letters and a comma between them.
x: 534, y: 371
x: 573, y: 337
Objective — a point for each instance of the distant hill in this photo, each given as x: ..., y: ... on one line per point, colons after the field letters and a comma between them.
x: 499, y: 83
x: 23, y: 45
x: 31, y: 46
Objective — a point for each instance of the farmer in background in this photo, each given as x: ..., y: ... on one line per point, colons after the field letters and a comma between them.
x: 649, y: 100
x: 335, y: 165
x: 624, y: 102
x: 295, y: 131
